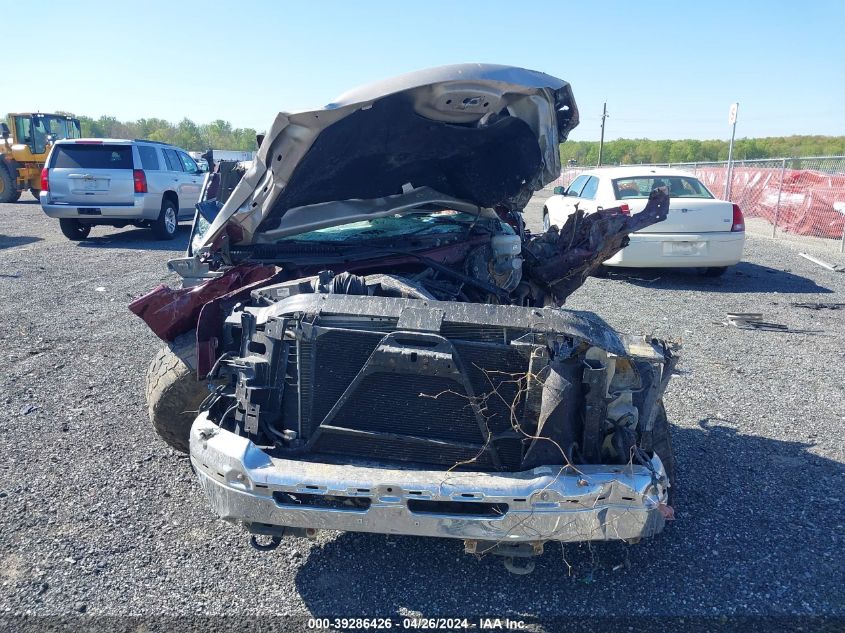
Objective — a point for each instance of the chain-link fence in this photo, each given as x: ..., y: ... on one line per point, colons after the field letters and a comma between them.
x: 797, y: 199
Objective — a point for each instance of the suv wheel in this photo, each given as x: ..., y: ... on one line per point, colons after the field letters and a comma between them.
x: 173, y: 392
x: 168, y: 221
x: 74, y: 229
x: 8, y: 193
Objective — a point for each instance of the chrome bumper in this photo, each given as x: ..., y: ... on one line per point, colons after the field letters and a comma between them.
x: 246, y: 486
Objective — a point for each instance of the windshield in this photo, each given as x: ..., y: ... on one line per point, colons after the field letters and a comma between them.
x: 446, y: 221
x: 641, y: 187
x: 55, y: 125
x: 62, y: 127
x: 416, y: 223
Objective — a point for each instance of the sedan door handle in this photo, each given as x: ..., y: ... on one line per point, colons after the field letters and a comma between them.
x: 599, y: 208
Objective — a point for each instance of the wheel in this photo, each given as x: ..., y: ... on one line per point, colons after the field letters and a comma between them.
x: 8, y: 193
x: 173, y: 391
x: 36, y: 193
x: 546, y: 222
x: 165, y: 227
x: 74, y: 229
x: 715, y: 271
x: 661, y: 443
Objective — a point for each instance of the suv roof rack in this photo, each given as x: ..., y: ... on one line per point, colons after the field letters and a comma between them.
x: 144, y: 140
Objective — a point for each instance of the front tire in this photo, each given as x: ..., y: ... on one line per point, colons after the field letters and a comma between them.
x: 8, y: 193
x: 74, y: 229
x: 165, y: 227
x: 661, y: 443
x: 173, y: 392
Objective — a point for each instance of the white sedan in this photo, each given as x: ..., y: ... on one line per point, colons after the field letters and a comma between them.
x: 700, y: 230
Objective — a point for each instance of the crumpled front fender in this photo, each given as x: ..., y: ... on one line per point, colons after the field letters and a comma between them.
x: 170, y: 312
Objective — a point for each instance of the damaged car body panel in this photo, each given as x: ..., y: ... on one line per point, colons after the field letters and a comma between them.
x: 383, y: 337
x: 481, y: 133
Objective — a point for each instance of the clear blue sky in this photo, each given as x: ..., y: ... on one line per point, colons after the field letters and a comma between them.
x: 666, y: 69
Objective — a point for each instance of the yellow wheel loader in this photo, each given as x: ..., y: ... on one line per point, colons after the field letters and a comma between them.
x: 25, y: 141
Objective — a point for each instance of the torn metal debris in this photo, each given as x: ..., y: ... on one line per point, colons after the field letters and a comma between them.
x: 754, y: 321
x: 818, y: 305
x: 560, y: 261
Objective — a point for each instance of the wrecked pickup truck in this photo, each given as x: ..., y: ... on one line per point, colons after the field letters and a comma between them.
x: 377, y: 343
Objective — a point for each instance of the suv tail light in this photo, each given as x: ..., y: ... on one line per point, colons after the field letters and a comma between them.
x: 140, y: 179
x: 624, y: 208
x: 739, y: 220
x: 45, y: 179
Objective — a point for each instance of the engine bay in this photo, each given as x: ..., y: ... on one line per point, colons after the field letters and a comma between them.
x: 342, y: 367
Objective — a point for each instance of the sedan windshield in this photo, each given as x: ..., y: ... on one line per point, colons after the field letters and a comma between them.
x: 641, y: 187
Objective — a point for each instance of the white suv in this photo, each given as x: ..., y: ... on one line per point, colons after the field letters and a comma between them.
x: 116, y: 182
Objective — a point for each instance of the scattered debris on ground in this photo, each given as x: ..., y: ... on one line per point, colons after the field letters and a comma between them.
x: 834, y: 267
x: 818, y: 305
x: 753, y: 321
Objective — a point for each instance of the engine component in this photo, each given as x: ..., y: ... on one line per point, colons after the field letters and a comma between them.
x: 498, y: 263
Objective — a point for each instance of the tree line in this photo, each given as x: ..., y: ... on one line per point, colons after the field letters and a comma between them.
x: 632, y: 151
x: 220, y: 134
x: 191, y: 136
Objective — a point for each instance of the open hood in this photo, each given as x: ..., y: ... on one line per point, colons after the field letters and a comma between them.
x: 474, y: 135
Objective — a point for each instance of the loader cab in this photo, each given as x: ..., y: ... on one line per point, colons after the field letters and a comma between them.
x: 38, y: 130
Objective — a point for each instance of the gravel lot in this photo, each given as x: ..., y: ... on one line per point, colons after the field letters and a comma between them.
x: 99, y: 516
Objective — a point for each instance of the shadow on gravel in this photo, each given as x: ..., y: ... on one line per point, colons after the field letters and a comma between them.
x: 138, y: 238
x: 745, y: 277
x: 10, y: 241
x: 754, y: 534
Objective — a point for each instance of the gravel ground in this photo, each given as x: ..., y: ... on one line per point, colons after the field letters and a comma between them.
x: 99, y: 516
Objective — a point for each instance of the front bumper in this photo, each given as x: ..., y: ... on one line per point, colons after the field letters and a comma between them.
x: 246, y: 486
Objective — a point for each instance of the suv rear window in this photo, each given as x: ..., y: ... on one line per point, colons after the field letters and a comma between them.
x: 149, y: 157
x: 80, y: 156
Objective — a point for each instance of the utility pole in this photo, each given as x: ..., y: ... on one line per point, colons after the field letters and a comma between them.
x: 604, y: 115
x: 729, y: 176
